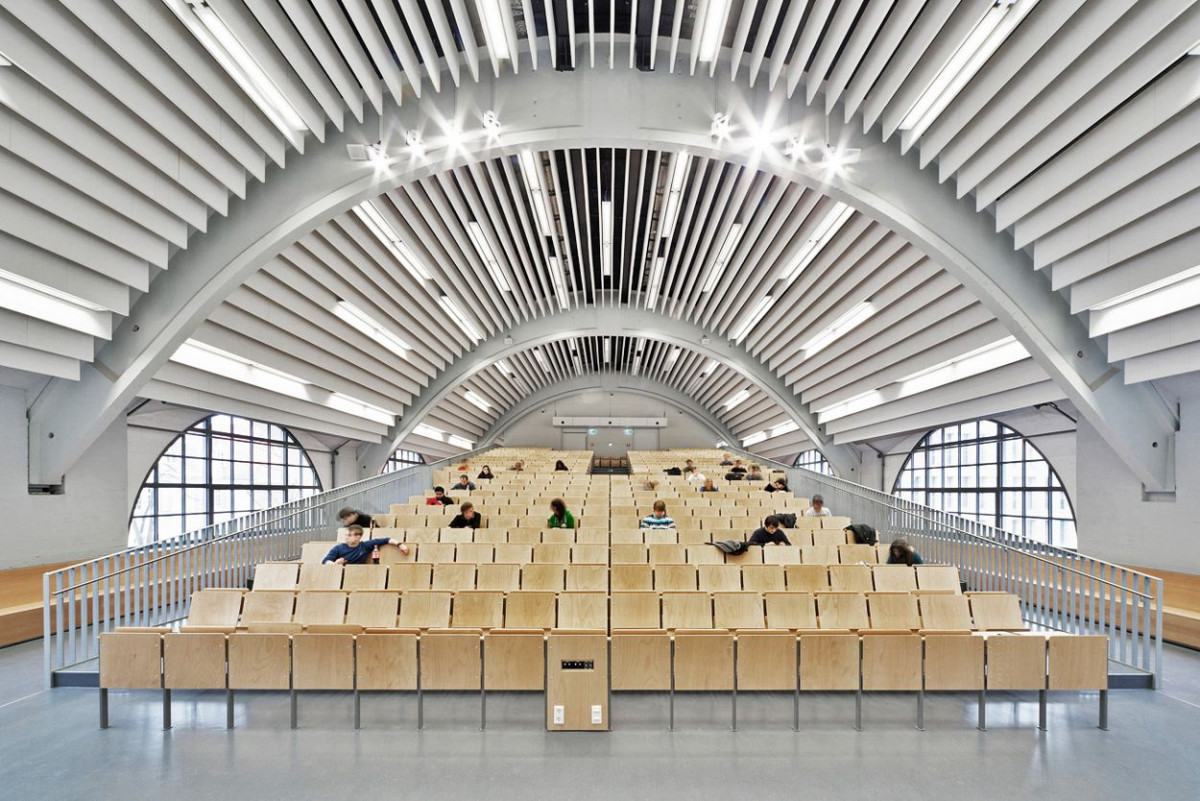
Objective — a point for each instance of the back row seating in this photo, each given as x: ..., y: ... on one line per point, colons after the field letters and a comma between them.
x: 629, y: 610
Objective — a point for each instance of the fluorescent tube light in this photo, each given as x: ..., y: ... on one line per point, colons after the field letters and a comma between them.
x: 674, y: 198
x: 559, y: 281
x: 429, y: 432
x: 479, y: 239
x: 840, y: 327
x: 737, y: 399
x: 541, y: 360
x: 826, y: 229
x: 1146, y: 289
x: 713, y: 29
x: 363, y: 322
x: 708, y: 368
x: 35, y: 299
x: 753, y: 318
x: 783, y: 428
x: 606, y: 237
x: 222, y: 45
x: 383, y: 231
x: 672, y: 357
x: 476, y: 399
x: 531, y: 169
x: 656, y: 279
x: 460, y: 442
x: 723, y: 256
x: 981, y: 43
x: 455, y: 314
x: 1180, y: 292
x: 607, y: 351
x: 754, y: 439
x: 503, y: 367
x: 492, y: 14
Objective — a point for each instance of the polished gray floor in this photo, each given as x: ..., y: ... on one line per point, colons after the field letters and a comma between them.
x: 50, y: 746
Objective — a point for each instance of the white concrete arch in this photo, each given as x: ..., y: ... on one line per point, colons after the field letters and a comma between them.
x: 590, y: 108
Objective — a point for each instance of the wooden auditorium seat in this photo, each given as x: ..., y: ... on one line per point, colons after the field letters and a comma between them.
x: 373, y: 608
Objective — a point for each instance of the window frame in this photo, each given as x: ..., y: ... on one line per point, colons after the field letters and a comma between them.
x: 396, y: 462
x: 819, y: 465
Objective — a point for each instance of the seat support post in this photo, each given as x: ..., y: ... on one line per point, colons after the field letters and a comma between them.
x: 671, y: 721
x: 921, y: 709
x: 796, y: 695
x: 1042, y: 710
x: 983, y: 710
x: 166, y: 709
x: 482, y: 688
x: 1104, y: 710
x: 858, y: 695
x: 104, y: 707
x: 420, y: 695
x: 229, y: 708
x: 733, y: 695
x: 293, y: 704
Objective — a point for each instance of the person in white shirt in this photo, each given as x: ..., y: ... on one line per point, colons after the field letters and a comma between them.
x: 818, y: 508
x: 694, y: 475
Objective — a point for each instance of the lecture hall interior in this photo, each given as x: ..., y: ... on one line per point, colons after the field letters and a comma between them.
x: 599, y: 399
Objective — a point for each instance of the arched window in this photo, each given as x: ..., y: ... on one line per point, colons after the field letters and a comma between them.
x: 401, y: 460
x: 988, y: 472
x: 220, y: 468
x: 813, y: 460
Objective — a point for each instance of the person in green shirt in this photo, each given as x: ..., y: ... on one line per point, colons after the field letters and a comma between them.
x: 559, y: 516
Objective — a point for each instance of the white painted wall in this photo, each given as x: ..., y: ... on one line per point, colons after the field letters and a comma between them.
x: 682, y: 430
x: 89, y: 520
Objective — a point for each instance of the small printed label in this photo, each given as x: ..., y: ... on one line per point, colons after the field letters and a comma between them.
x: 560, y: 715
x: 597, y: 715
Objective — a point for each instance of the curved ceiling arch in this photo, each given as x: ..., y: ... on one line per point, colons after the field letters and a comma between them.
x: 590, y: 108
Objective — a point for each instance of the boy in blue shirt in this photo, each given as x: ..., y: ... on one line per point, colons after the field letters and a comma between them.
x: 355, y: 550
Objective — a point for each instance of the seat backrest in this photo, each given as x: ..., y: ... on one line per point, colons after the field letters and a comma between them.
x: 830, y: 537
x: 215, y: 608
x: 587, y: 577
x: 495, y: 536
x: 632, y: 578
x: 627, y: 536
x: 364, y: 577
x: 893, y: 610
x: 687, y: 610
x: 720, y: 578
x: 953, y: 661
x: 386, y: 661
x: 276, y: 575
x: 530, y: 610
x: 504, y: 578
x: 790, y: 610
x: 781, y: 554
x: 556, y: 553
x: 850, y: 578
x: 547, y: 577
x: 1017, y: 661
x: 667, y: 554
x: 515, y: 553
x: 131, y: 659
x: 1077, y: 662
x: 662, y: 536
x: 476, y: 552
x: 996, y: 611
x: 819, y: 555
x: 268, y: 606
x: 829, y: 662
x: 853, y: 554
x: 938, y: 577
x: 629, y: 554
x: 675, y: 577
x: 763, y: 578
x: 838, y: 522
x: 311, y: 553
x: 194, y: 661
x: 373, y: 609
x: 424, y: 609
x: 807, y: 578
x: 392, y: 555
x: 894, y: 578
x: 320, y: 577
x: 259, y: 661
x: 704, y: 555
x: 891, y: 661
x: 454, y: 576
x: 945, y: 612
x: 738, y: 610
x: 842, y: 610
x: 321, y: 608
x: 409, y: 576
x: 589, y: 554
x: 635, y: 610
x: 583, y: 610
x: 437, y: 552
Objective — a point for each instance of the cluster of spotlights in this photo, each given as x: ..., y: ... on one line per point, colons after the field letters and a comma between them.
x: 452, y: 137
x: 831, y: 156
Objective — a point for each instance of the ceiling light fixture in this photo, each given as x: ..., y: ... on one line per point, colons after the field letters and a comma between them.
x: 713, y: 29
x: 531, y: 169
x: 656, y: 279
x: 541, y: 360
x: 830, y: 224
x: 35, y: 299
x: 674, y: 194
x: 475, y: 399
x: 754, y: 439
x: 479, y: 240
x: 415, y: 143
x: 503, y: 367
x: 492, y: 12
x: 607, y: 350
x: 491, y: 124
x: 736, y: 400
x: 1146, y: 289
x: 839, y: 328
x: 455, y: 314
x: 606, y: 237
x: 212, y: 33
x: 460, y: 442
x: 366, y: 324
x: 980, y: 44
x: 429, y: 432
x: 383, y: 231
x: 1181, y: 291
x: 672, y: 357
x: 753, y: 318
x: 559, y: 281
x: 723, y: 256
x: 719, y: 129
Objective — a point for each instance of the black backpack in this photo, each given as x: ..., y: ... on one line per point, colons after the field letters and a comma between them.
x: 786, y: 519
x: 863, y: 534
x: 673, y: 471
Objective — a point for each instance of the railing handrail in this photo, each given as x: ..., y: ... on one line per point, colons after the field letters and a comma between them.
x: 308, y: 503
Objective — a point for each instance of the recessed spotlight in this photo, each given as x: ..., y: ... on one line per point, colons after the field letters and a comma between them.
x: 720, y: 126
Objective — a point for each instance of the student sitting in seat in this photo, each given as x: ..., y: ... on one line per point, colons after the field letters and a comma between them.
x: 517, y: 467
x: 353, y: 517
x: 559, y: 516
x: 463, y: 465
x: 778, y: 485
x: 658, y: 518
x: 560, y: 465
x: 755, y: 474
x: 708, y: 486
x: 737, y: 467
x: 464, y: 484
x: 901, y: 553
x: 355, y: 550
x: 693, y: 475
x: 466, y: 517
x: 818, y: 509
x: 485, y: 473
x: 440, y: 498
x: 726, y: 460
x: 649, y: 485
x: 769, y: 534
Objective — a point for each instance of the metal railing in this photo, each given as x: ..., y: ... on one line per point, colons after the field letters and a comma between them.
x: 151, y: 585
x: 1058, y: 589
